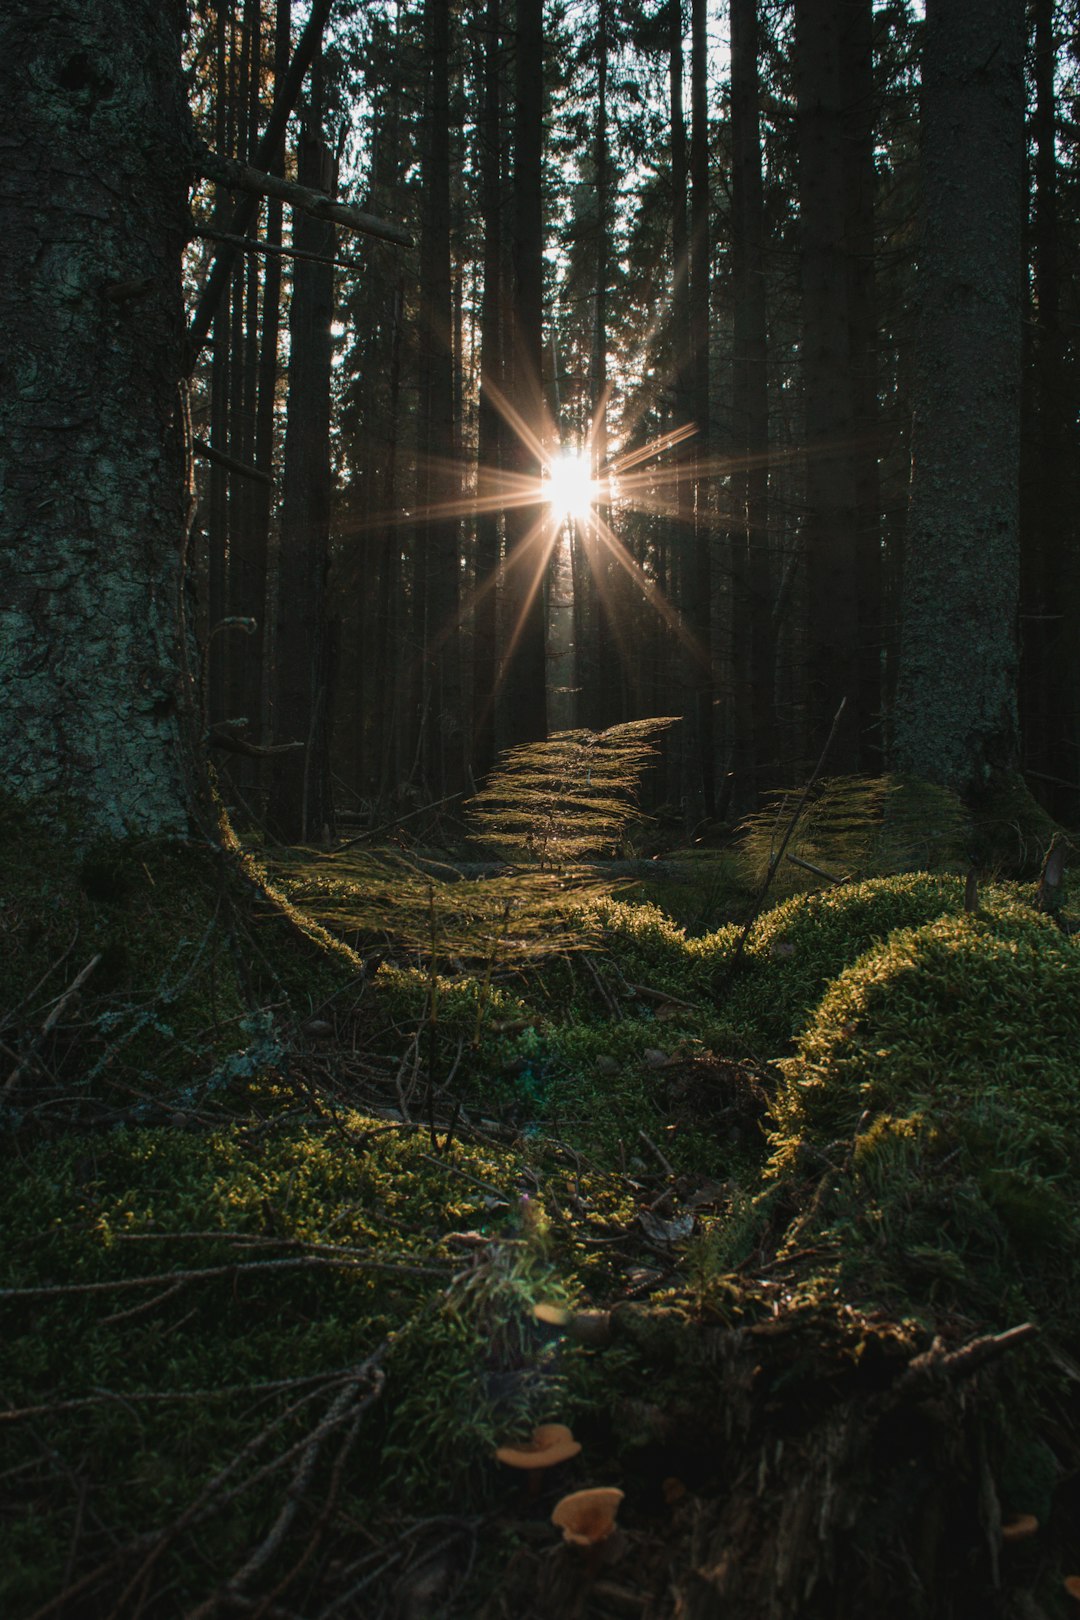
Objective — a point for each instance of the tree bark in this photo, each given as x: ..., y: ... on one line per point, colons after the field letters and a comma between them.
x: 750, y: 401
x: 300, y: 800
x: 828, y: 535
x: 956, y: 693
x: 93, y: 199
x: 524, y: 656
x: 438, y: 560
x: 698, y: 604
x: 489, y: 427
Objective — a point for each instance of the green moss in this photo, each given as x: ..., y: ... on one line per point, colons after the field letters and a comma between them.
x: 182, y: 948
x: 795, y: 949
x: 171, y: 1378
x: 934, y: 1098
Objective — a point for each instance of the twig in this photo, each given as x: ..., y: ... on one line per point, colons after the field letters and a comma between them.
x: 242, y: 469
x: 118, y: 1284
x: 54, y: 1018
x: 171, y: 1396
x: 398, y: 821
x: 774, y: 864
x: 662, y: 995
x: 939, y: 1363
x: 300, y: 1482
x: 818, y: 871
x: 255, y: 244
x: 651, y: 1145
x: 141, y: 1310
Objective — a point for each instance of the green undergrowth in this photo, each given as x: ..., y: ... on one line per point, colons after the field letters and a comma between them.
x: 145, y: 974
x: 924, y: 1104
x: 176, y: 1278
x: 927, y: 1122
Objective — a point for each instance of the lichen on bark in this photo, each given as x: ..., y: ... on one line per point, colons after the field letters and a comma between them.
x: 955, y: 718
x: 93, y: 218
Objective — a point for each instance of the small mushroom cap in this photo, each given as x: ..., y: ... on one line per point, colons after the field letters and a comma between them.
x: 553, y: 1315
x: 1019, y: 1527
x: 588, y: 1517
x: 551, y: 1443
x: 1072, y: 1585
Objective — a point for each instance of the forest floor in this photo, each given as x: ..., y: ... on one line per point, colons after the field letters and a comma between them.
x: 787, y: 1233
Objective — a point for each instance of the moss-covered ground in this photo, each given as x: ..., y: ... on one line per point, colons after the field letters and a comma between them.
x: 277, y: 1215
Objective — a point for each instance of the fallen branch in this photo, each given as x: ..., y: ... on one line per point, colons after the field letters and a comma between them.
x: 62, y: 1003
x: 236, y: 1268
x: 937, y: 1363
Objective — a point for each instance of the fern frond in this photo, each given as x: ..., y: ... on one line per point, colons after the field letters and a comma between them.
x: 513, y: 919
x: 570, y: 796
x: 859, y: 826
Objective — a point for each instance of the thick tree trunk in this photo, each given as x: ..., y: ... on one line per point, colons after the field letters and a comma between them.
x: 956, y: 694
x: 93, y: 218
x: 1050, y: 569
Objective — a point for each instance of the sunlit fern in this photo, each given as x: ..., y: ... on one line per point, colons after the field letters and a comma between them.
x: 428, y: 910
x: 554, y: 802
x: 858, y: 826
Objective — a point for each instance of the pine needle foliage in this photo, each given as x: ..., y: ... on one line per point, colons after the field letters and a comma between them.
x: 574, y: 795
x: 858, y: 827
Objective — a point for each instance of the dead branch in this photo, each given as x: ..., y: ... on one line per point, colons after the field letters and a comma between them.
x: 234, y: 1269
x: 774, y: 864
x: 243, y: 177
x: 230, y: 463
x: 62, y: 1003
x: 231, y: 743
x: 937, y: 1363
x: 255, y: 244
x: 301, y: 1480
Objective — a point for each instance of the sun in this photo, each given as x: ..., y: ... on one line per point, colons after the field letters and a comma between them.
x: 571, y: 489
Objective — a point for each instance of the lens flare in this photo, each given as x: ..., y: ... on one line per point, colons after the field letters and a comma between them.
x: 571, y: 490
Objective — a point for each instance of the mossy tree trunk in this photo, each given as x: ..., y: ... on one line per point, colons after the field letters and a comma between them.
x: 956, y: 692
x: 93, y: 219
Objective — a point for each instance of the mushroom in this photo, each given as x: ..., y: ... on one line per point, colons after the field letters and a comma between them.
x: 551, y: 1443
x: 1072, y: 1585
x: 1019, y: 1527
x: 587, y: 1518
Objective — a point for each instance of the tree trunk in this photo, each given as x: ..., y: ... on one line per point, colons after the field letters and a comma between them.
x: 1050, y: 573
x: 93, y: 219
x: 698, y: 605
x: 956, y: 693
x: 750, y: 475
x: 438, y: 533
x: 524, y: 657
x: 857, y: 77
x: 300, y: 799
x: 489, y: 427
x: 828, y: 535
